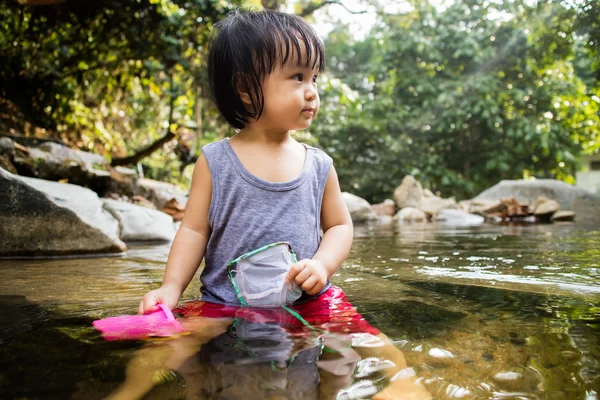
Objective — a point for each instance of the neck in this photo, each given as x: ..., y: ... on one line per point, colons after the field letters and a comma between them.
x: 258, y: 135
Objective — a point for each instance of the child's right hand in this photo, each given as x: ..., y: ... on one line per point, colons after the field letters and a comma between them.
x: 164, y: 295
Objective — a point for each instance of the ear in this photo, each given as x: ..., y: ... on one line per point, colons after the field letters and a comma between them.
x: 242, y: 90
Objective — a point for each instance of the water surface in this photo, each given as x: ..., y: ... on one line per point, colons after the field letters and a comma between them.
x: 478, y: 312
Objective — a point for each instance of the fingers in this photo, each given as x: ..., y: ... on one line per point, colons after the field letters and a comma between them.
x: 307, y: 275
x: 294, y: 270
x: 148, y: 304
x: 304, y: 274
x: 310, y: 285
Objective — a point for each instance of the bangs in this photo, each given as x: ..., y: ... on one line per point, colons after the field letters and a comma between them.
x: 294, y: 47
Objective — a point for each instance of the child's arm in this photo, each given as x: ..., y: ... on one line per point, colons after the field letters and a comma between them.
x: 312, y: 274
x: 188, y: 246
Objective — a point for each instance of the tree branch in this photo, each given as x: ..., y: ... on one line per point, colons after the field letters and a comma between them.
x: 133, y: 159
x: 314, y: 7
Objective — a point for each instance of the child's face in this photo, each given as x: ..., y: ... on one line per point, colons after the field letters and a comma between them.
x: 291, y: 101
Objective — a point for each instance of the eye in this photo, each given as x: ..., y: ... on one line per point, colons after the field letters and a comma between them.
x: 298, y: 77
x: 314, y: 79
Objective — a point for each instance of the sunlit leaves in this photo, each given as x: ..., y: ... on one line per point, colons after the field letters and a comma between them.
x: 464, y: 96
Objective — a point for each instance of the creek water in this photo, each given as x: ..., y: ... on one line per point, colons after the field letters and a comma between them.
x: 494, y: 311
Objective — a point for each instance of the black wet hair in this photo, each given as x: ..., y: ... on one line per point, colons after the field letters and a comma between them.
x: 246, y: 47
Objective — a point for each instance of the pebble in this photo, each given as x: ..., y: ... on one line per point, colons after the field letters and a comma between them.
x: 457, y: 392
x: 439, y: 353
x: 507, y: 376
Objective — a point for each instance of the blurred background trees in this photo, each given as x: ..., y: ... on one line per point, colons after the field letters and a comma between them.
x: 458, y: 93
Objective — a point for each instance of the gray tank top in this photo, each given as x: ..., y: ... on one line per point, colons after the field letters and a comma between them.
x: 247, y: 212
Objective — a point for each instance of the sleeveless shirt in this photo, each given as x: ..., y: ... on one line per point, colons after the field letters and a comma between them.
x: 247, y: 212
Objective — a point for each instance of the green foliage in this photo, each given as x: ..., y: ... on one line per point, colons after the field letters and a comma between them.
x: 460, y: 97
x: 104, y: 75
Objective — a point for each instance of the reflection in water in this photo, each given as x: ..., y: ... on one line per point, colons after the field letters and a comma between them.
x: 474, y: 312
x: 258, y: 354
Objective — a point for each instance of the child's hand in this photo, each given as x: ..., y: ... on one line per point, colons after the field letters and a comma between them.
x: 309, y: 274
x: 164, y: 295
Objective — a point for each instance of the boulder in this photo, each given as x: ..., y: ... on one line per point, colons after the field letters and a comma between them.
x: 36, y: 224
x: 54, y: 162
x: 585, y: 204
x: 544, y: 206
x: 410, y: 214
x: 82, y: 201
x: 432, y: 205
x: 119, y: 180
x: 144, y: 202
x: 7, y: 148
x: 387, y: 208
x: 482, y: 207
x: 428, y: 193
x: 7, y: 155
x: 409, y: 193
x: 140, y: 224
x: 563, y: 216
x: 160, y: 193
x: 360, y: 209
x: 6, y: 163
x: 458, y: 217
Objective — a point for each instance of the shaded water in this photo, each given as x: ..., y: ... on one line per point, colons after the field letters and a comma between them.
x: 478, y: 312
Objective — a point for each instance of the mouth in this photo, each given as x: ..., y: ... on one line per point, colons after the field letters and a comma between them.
x: 309, y: 110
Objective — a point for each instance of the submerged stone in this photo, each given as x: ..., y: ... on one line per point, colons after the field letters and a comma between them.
x: 440, y: 353
x: 507, y: 376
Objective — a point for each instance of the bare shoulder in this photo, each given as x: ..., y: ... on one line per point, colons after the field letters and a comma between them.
x: 201, y: 171
x: 333, y: 209
x: 198, y: 205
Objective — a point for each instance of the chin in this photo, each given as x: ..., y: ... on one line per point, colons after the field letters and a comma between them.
x: 305, y: 125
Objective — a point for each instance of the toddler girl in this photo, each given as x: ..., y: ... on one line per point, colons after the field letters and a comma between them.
x: 260, y: 187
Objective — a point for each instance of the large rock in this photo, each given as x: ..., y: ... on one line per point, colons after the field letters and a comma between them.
x: 7, y: 155
x: 160, y: 193
x: 409, y: 193
x: 33, y: 223
x: 141, y: 224
x: 387, y: 208
x: 360, y: 209
x: 544, y: 206
x: 6, y: 163
x: 563, y: 216
x: 458, y: 218
x: 432, y: 204
x: 481, y: 207
x: 410, y: 214
x: 54, y: 162
x: 82, y: 201
x: 585, y: 204
x: 7, y: 148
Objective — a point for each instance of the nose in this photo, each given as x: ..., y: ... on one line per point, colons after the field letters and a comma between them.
x: 311, y: 93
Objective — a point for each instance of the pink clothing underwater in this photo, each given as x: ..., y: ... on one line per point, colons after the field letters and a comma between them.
x: 331, y: 312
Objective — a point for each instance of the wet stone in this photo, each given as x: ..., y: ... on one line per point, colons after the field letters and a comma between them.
x: 507, y: 376
x: 440, y: 353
